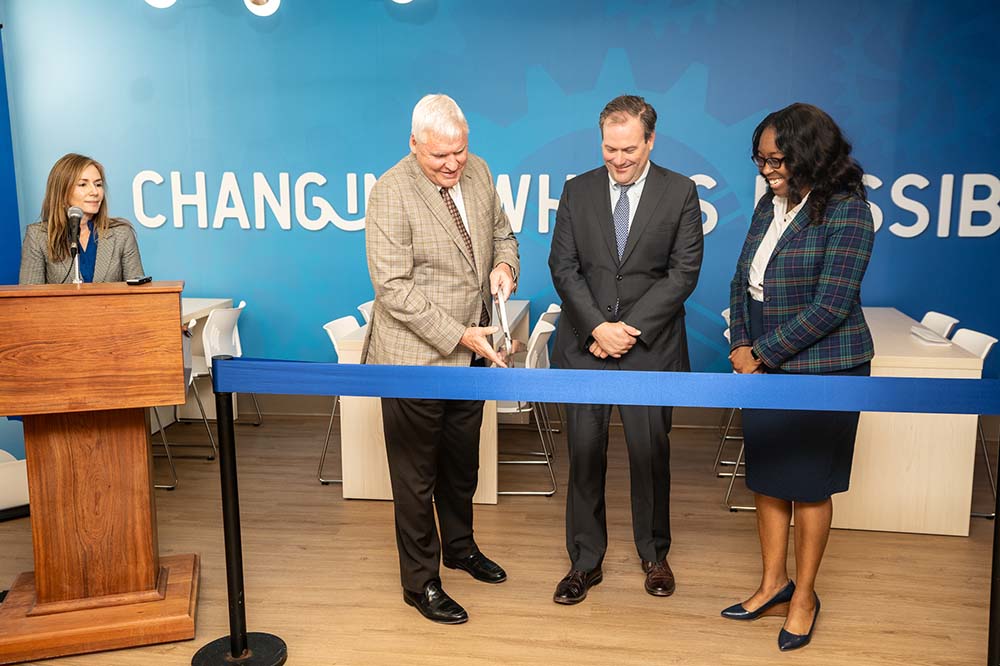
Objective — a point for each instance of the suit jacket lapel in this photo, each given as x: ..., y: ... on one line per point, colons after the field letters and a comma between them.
x: 481, y: 233
x: 652, y: 191
x: 105, y: 250
x: 431, y: 196
x: 798, y: 223
x: 605, y: 219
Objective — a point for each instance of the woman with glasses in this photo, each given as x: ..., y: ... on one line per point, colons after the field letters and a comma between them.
x: 107, y: 246
x: 796, y: 308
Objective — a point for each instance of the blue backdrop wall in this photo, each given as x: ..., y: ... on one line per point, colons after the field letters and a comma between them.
x: 11, y: 432
x: 242, y: 147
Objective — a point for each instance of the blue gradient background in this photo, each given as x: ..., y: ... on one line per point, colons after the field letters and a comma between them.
x: 329, y: 87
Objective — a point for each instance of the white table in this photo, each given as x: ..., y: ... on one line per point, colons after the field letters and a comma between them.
x: 365, y: 469
x: 912, y: 472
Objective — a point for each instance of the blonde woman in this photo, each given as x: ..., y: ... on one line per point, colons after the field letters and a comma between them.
x: 107, y: 246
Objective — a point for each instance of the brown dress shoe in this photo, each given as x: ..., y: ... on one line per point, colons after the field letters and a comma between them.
x: 572, y: 589
x: 659, y: 578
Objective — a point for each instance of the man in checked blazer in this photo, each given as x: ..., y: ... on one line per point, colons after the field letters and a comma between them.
x: 439, y: 245
x: 626, y: 253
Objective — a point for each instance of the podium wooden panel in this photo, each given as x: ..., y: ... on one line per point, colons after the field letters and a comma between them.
x: 82, y: 363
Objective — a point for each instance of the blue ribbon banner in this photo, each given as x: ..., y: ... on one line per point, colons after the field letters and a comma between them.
x: 678, y: 389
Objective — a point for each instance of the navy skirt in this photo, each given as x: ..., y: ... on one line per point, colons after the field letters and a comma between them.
x: 794, y: 455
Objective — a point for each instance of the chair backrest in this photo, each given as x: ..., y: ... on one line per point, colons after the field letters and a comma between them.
x: 338, y: 328
x: 725, y: 315
x: 974, y: 342
x: 551, y: 315
x: 537, y: 354
x: 220, y: 335
x: 366, y: 310
x: 941, y: 324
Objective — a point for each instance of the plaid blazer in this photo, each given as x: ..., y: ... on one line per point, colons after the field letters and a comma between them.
x: 117, y: 256
x: 428, y: 290
x: 812, y: 289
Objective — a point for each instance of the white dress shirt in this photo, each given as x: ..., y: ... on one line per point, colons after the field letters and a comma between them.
x: 782, y: 218
x: 634, y: 194
x: 456, y: 195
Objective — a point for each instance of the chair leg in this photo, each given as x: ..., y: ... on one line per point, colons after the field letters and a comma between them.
x: 260, y: 419
x: 981, y: 436
x: 729, y: 491
x: 726, y: 437
x: 170, y: 458
x: 723, y: 439
x: 543, y: 430
x: 204, y: 418
x: 326, y: 445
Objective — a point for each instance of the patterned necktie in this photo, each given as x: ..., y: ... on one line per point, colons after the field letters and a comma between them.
x: 484, y: 316
x: 621, y: 220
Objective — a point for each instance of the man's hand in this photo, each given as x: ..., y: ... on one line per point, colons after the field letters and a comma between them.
x: 479, y: 340
x: 502, y: 281
x: 613, y: 338
x: 743, y: 361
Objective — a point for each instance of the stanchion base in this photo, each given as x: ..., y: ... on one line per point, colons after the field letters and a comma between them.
x: 262, y: 650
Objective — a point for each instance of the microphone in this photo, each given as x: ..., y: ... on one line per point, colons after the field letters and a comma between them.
x: 74, y: 214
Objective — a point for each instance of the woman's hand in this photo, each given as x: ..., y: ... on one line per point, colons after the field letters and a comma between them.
x: 743, y: 361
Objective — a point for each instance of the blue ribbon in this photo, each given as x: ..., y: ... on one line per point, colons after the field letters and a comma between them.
x: 615, y: 387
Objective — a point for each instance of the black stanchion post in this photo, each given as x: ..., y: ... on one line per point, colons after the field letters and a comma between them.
x: 993, y: 657
x: 239, y: 647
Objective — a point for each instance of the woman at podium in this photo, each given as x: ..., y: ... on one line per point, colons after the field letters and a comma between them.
x: 75, y: 222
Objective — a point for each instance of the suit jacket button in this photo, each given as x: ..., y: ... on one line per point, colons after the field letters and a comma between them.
x: 609, y: 308
x: 618, y: 277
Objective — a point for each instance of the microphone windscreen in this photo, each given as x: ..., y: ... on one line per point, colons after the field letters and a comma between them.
x: 74, y: 212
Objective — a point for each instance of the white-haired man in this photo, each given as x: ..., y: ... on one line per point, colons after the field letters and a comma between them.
x: 438, y: 246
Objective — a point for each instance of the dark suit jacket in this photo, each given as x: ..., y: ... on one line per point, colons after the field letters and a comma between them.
x: 812, y: 289
x: 658, y: 271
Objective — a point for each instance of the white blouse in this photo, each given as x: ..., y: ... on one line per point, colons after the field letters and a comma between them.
x: 782, y: 218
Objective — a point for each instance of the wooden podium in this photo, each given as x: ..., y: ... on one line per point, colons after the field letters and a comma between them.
x: 82, y: 363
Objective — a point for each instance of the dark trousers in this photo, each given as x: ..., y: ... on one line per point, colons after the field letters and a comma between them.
x: 433, y: 452
x: 647, y: 436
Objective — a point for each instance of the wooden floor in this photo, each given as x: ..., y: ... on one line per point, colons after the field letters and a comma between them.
x: 322, y: 573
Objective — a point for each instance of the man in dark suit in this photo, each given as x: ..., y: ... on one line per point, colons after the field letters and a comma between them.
x: 626, y: 252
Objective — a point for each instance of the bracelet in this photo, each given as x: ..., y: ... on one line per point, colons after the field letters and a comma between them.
x: 753, y: 352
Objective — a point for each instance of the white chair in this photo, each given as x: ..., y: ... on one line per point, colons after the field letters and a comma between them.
x: 13, y: 482
x: 941, y: 324
x: 190, y: 375
x: 551, y: 315
x: 980, y: 345
x: 336, y: 329
x: 366, y: 310
x: 534, y: 357
x: 221, y: 337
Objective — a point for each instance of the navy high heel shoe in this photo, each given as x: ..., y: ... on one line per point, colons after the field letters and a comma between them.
x: 789, y: 641
x: 776, y: 605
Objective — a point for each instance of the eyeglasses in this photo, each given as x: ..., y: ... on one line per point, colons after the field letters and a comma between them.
x: 773, y: 162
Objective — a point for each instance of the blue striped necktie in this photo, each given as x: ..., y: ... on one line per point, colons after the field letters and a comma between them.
x: 621, y: 219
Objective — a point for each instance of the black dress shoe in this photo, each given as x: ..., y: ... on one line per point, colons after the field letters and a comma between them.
x: 434, y: 604
x: 479, y: 567
x: 572, y: 589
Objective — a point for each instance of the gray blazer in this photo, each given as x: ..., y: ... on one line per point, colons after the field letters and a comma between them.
x: 658, y: 271
x: 117, y: 256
